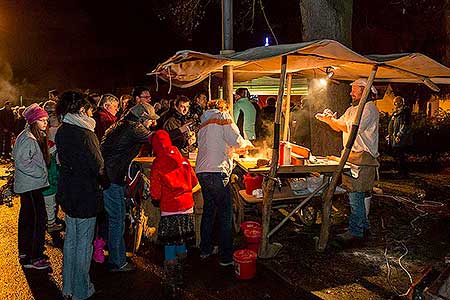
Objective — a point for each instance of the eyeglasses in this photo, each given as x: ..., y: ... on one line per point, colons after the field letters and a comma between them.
x: 146, y: 97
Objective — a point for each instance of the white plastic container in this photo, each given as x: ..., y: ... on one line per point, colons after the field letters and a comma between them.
x: 287, y: 154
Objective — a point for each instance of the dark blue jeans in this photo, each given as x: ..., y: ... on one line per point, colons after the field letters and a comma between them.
x: 77, y: 257
x: 114, y: 201
x: 217, y: 207
x: 357, y: 221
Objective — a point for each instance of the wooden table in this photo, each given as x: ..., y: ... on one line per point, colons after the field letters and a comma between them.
x: 149, y: 160
x: 323, y: 165
x: 242, y: 202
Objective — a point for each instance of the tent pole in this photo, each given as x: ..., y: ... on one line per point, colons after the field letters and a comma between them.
x: 267, y: 250
x: 287, y: 113
x: 228, y: 87
x: 328, y: 197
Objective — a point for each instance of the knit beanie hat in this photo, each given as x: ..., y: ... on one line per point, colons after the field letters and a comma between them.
x: 33, y: 113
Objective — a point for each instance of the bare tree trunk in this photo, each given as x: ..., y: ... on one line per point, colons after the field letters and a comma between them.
x: 326, y: 19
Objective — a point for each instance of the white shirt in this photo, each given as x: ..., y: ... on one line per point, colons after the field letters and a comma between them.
x: 217, y: 137
x: 367, y: 137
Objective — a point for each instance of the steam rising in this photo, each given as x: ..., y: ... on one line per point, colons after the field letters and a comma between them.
x: 7, y: 91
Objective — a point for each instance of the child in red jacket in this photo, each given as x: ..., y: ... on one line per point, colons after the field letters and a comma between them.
x: 171, y: 181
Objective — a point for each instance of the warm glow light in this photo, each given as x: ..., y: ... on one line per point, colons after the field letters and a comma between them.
x: 318, y: 85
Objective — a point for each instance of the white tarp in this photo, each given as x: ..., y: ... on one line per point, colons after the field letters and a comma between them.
x: 310, y: 59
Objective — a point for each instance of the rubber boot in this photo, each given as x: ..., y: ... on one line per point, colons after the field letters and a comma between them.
x: 181, y: 262
x: 170, y: 278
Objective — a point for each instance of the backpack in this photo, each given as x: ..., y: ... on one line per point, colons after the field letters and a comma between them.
x: 137, y: 186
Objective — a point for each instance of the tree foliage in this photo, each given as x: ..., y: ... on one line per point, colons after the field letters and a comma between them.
x: 184, y: 16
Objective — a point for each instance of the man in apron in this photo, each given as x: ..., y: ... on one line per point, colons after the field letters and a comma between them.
x: 363, y: 156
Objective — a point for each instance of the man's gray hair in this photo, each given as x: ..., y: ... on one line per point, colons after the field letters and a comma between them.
x: 108, y: 99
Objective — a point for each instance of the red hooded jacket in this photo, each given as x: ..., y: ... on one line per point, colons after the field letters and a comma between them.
x: 103, y: 120
x: 172, y: 177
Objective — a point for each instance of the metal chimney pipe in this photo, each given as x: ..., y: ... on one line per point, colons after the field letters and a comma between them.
x: 227, y: 25
x: 227, y: 48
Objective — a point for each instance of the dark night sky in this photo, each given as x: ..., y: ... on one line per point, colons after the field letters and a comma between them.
x: 100, y: 43
x: 85, y: 43
x: 105, y: 44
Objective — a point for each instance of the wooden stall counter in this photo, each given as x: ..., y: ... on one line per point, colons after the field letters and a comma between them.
x: 148, y: 160
x: 242, y: 202
x: 320, y: 165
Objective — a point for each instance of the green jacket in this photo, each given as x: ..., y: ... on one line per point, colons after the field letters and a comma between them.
x: 53, y: 175
x: 246, y: 107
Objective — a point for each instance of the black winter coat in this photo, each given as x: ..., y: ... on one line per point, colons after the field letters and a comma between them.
x: 81, y: 162
x: 174, y: 122
x: 120, y: 145
x: 399, y: 128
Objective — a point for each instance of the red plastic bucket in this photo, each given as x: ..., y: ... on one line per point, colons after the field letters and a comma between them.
x: 245, y: 263
x: 252, y: 237
x: 252, y: 182
x: 249, y: 225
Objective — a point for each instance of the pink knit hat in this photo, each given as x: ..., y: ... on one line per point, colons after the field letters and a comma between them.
x: 33, y: 113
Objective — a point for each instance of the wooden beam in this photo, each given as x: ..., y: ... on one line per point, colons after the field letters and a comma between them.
x: 287, y: 113
x: 228, y: 87
x: 269, y: 186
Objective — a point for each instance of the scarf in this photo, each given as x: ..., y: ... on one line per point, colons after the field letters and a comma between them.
x: 79, y: 120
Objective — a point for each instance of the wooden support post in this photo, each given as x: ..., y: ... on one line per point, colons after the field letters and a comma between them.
x: 266, y: 250
x: 228, y: 87
x: 287, y: 113
x: 327, y: 200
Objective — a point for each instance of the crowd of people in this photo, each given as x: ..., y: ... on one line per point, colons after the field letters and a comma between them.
x: 74, y: 152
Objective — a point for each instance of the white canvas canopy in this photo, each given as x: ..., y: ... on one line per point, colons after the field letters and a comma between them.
x: 309, y: 59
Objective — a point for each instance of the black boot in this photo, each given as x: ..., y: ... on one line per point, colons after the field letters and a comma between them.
x: 181, y: 262
x: 170, y: 278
